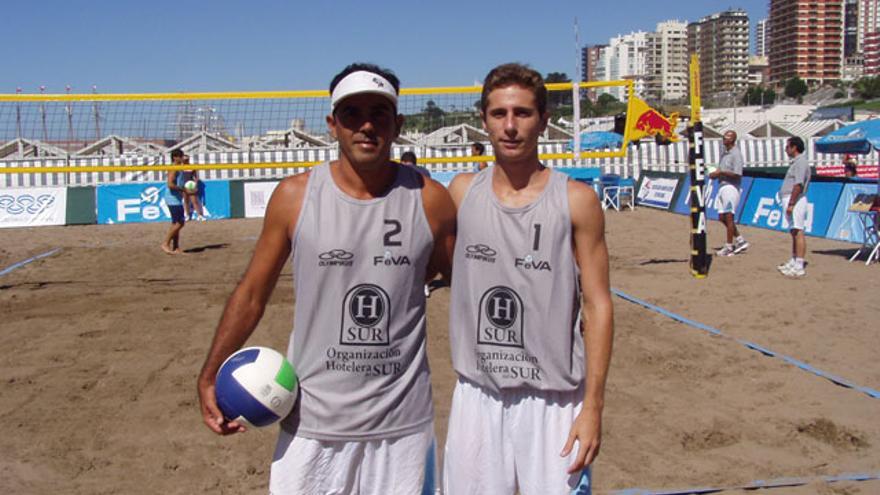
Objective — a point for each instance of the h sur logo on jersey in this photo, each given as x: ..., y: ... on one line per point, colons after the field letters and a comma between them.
x: 500, y: 320
x: 365, y: 314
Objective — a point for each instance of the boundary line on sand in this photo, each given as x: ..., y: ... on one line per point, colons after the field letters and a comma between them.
x: 749, y: 345
x: 754, y: 485
x: 20, y: 264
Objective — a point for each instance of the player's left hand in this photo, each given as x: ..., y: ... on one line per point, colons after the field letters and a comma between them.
x: 587, y: 430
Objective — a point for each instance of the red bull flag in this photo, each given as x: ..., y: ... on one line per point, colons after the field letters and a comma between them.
x: 647, y: 122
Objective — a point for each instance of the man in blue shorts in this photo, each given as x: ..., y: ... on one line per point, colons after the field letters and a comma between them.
x: 174, y: 195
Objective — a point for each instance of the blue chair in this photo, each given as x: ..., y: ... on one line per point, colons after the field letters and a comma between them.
x: 617, y: 193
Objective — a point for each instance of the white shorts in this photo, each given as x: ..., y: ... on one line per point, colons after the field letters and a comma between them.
x: 499, y: 445
x: 798, y: 218
x: 727, y: 199
x: 404, y: 465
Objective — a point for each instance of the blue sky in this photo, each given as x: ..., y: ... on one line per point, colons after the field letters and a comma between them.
x: 159, y: 45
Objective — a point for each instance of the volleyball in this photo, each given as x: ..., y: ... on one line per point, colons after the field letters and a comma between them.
x: 190, y: 185
x: 256, y: 386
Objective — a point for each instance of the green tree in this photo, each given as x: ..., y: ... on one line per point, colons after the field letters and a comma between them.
x: 868, y: 87
x: 795, y: 87
x: 557, y: 99
x: 759, y: 95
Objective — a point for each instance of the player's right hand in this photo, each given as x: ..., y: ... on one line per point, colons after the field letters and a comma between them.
x: 211, y: 414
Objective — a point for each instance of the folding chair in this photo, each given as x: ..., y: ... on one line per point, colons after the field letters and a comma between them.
x: 871, y: 242
x: 610, y: 186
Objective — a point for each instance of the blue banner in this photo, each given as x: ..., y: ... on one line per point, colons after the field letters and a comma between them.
x: 444, y: 177
x: 763, y: 210
x: 683, y: 207
x: 845, y: 225
x: 132, y: 203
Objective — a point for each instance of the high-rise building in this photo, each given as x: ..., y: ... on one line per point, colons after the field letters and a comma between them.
x: 721, y: 42
x: 851, y: 28
x: 625, y: 57
x: 761, y: 38
x: 667, y: 62
x: 590, y: 57
x: 867, y: 20
x: 806, y: 40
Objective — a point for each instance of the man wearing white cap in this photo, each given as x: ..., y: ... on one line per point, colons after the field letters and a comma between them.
x: 364, y: 235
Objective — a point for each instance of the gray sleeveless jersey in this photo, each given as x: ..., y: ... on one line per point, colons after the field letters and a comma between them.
x: 515, y: 296
x: 358, y: 343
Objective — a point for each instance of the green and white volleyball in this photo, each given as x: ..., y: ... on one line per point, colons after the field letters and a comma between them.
x: 256, y: 386
x: 190, y: 185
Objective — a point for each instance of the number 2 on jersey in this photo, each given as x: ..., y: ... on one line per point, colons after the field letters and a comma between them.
x: 389, y: 235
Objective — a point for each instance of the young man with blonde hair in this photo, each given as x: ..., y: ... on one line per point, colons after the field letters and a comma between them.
x: 530, y: 259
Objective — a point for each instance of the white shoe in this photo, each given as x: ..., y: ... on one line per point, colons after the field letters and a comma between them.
x: 785, y: 266
x: 740, y: 246
x: 727, y: 250
x: 794, y: 272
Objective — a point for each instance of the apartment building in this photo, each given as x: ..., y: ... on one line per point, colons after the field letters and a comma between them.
x: 806, y: 40
x: 721, y: 42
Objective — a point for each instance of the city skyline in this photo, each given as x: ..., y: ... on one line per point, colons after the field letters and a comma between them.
x: 193, y: 46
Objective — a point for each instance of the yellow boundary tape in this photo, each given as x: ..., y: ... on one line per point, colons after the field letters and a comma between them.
x: 234, y: 166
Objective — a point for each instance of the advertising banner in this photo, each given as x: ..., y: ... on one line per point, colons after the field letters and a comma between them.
x: 33, y: 206
x: 657, y: 192
x: 763, y: 209
x: 444, y: 177
x: 845, y: 225
x: 683, y: 207
x: 134, y: 203
x: 256, y: 198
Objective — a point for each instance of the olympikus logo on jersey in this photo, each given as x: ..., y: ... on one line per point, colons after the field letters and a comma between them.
x: 528, y: 263
x: 501, y: 318
x: 480, y: 252
x: 336, y: 257
x: 365, y: 312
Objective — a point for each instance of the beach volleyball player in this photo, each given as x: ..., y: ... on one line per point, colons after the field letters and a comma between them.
x: 365, y: 234
x: 525, y: 416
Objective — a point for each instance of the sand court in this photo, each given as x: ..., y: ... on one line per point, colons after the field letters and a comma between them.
x: 101, y: 342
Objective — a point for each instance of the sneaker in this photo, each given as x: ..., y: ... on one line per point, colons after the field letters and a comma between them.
x: 740, y: 246
x: 794, y: 272
x: 785, y: 266
x: 727, y: 250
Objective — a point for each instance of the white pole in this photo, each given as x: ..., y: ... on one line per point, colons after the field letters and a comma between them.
x: 576, y: 96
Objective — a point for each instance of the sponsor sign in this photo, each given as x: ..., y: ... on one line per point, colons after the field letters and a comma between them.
x: 682, y: 203
x: 763, y: 209
x: 256, y: 198
x: 845, y: 225
x: 137, y: 203
x: 35, y: 206
x: 657, y: 192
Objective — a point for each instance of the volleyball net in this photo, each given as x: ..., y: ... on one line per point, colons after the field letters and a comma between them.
x: 86, y: 139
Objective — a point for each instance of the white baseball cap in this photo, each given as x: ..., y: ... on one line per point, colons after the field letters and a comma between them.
x: 363, y: 82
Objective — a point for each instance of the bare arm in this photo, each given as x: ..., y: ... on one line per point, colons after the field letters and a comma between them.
x: 459, y: 186
x: 440, y: 211
x: 248, y: 301
x: 588, y: 228
x: 796, y: 192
